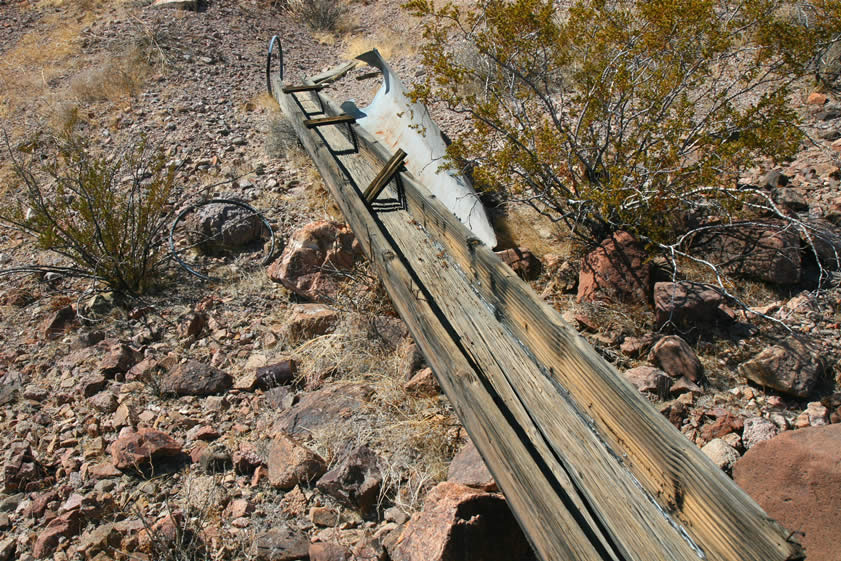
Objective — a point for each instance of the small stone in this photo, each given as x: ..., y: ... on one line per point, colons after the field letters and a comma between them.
x: 281, y: 544
x: 311, y: 253
x: 239, y: 508
x: 143, y: 449
x: 817, y: 98
x: 758, y: 429
x: 356, y: 481
x: 322, y: 551
x: 119, y: 360
x: 649, y: 379
x: 457, y: 519
x: 788, y: 366
x: 246, y: 459
x: 291, y: 464
x: 196, y: 378
x: 307, y: 321
x: 105, y: 402
x: 468, y: 468
x: 637, y: 346
x: 618, y: 270
x: 58, y: 323
x: 722, y: 454
x: 92, y: 384
x: 215, y: 459
x: 324, y: 516
x: 522, y: 261
x: 423, y: 384
x: 676, y: 358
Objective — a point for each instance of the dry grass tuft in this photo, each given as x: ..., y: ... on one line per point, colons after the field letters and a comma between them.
x: 113, y: 80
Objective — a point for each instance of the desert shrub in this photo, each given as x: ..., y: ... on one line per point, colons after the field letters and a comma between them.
x: 105, y: 213
x: 623, y: 114
x: 320, y: 15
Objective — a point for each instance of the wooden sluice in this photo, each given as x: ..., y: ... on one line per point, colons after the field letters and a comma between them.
x: 590, y: 469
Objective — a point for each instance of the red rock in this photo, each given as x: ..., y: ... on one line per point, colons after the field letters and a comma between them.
x: 676, y: 358
x: 765, y: 252
x: 281, y: 544
x: 143, y: 449
x: 411, y: 360
x: 246, y: 459
x: 468, y: 468
x: 328, y: 552
x: 206, y: 433
x: 119, y: 360
x: 307, y: 321
x: 423, y: 384
x: 164, y: 531
x: 356, y: 481
x: 649, y: 379
x: 723, y: 425
x: 321, y: 407
x: 689, y: 304
x: 92, y: 384
x: 796, y: 478
x: 21, y: 470
x: 312, y: 252
x: 142, y: 371
x: 789, y: 367
x: 196, y: 378
x: 460, y: 523
x: 193, y: 325
x: 104, y: 471
x: 55, y: 326
x: 102, y: 538
x: 817, y: 98
x: 522, y: 261
x: 637, y: 346
x: 64, y: 526
x: 617, y: 271
x: 290, y: 463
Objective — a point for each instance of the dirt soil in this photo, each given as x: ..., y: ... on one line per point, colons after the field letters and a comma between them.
x: 193, y: 83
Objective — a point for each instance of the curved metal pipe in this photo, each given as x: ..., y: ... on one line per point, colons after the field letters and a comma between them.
x: 272, y: 41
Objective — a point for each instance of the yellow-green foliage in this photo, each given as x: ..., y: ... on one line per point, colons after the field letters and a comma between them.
x: 617, y: 113
x: 106, y: 214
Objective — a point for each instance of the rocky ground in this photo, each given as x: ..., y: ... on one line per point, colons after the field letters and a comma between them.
x: 284, y: 412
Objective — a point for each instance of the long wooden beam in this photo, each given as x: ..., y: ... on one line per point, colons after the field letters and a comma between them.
x: 590, y: 469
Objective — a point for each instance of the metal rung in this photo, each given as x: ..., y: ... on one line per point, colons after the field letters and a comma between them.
x: 338, y: 119
x: 391, y: 168
x: 304, y: 88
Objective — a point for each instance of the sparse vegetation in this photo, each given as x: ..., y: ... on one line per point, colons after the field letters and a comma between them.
x: 624, y: 115
x: 320, y: 15
x: 105, y: 213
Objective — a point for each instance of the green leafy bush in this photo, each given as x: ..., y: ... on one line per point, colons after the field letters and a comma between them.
x: 107, y: 214
x: 621, y: 114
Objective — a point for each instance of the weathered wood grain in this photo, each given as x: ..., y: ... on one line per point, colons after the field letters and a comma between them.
x: 591, y: 470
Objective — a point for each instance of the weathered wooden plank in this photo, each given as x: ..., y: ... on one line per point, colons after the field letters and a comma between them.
x: 384, y: 176
x: 606, y: 453
x: 331, y: 120
x: 302, y: 88
x: 716, y: 513
x: 516, y: 465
